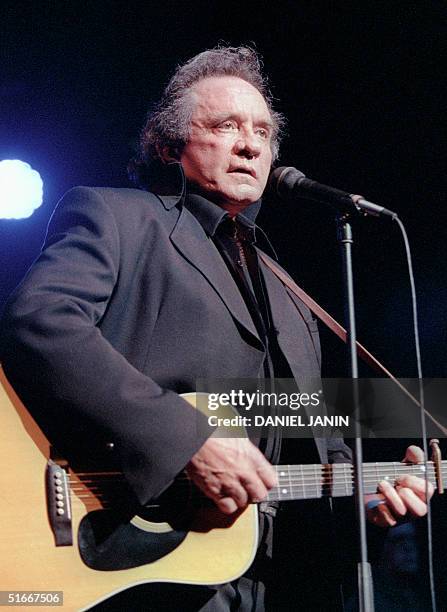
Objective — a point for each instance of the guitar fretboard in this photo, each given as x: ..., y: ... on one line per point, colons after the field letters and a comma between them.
x: 337, y: 480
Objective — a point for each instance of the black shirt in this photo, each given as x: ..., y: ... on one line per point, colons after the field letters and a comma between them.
x: 236, y: 239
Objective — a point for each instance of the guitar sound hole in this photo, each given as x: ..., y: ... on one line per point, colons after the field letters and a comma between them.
x: 175, y: 506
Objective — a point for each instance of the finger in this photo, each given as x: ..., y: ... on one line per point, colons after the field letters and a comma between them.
x: 210, y: 485
x: 393, y: 499
x: 415, y: 505
x: 227, y: 505
x: 256, y: 490
x: 227, y: 498
x: 386, y: 518
x: 267, y: 475
x: 417, y: 485
x: 381, y: 516
x: 222, y: 487
x: 264, y: 469
x: 237, y: 493
x: 413, y: 454
x: 244, y: 487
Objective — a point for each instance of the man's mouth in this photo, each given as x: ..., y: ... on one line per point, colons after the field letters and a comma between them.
x: 249, y: 171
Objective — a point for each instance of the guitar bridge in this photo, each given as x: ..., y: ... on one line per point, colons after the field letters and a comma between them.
x: 59, y: 504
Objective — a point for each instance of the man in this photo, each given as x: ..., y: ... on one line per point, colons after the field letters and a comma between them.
x: 137, y: 295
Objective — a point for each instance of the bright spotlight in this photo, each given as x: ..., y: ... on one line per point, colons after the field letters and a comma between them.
x: 21, y: 189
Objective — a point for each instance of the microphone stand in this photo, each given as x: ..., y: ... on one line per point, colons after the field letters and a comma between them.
x: 364, y: 575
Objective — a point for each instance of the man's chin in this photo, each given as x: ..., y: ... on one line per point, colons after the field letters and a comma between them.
x: 235, y: 199
x: 244, y: 196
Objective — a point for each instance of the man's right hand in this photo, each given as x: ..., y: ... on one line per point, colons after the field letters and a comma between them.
x: 232, y: 472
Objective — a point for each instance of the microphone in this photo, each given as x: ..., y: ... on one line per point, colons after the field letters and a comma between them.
x: 289, y: 183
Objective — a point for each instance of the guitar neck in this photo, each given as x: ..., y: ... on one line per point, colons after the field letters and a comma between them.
x: 314, y: 481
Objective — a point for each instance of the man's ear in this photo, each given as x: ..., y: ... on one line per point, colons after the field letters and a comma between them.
x: 168, y: 154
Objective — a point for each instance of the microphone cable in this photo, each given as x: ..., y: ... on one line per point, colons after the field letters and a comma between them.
x: 422, y: 410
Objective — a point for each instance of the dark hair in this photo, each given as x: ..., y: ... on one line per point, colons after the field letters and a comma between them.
x: 168, y: 123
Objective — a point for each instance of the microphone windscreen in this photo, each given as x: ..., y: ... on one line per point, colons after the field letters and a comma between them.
x: 283, y: 179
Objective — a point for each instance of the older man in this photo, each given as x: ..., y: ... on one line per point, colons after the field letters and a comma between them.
x: 137, y: 294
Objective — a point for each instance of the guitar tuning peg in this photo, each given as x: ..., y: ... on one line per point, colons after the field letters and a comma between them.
x: 436, y: 458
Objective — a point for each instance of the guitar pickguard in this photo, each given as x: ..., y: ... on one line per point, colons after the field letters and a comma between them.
x: 107, y: 542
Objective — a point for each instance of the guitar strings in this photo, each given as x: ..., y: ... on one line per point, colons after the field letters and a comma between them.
x: 302, y: 481
x: 317, y: 468
x: 301, y: 473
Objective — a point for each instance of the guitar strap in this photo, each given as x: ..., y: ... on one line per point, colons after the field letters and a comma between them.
x: 339, y: 330
x: 322, y: 314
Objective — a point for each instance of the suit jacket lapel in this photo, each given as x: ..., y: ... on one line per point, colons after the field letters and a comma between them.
x: 190, y: 239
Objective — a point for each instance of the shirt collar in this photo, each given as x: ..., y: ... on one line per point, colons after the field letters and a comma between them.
x: 210, y: 215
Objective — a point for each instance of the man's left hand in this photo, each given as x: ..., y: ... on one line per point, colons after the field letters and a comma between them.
x: 407, y: 496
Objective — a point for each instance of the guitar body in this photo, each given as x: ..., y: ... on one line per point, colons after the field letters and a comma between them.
x: 215, y: 550
x: 174, y: 540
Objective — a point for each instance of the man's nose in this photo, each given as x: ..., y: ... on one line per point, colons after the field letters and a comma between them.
x: 248, y: 145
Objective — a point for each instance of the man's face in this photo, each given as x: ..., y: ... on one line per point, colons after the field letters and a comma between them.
x: 228, y: 155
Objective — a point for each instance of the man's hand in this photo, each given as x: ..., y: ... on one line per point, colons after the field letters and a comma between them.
x: 232, y: 472
x: 406, y: 496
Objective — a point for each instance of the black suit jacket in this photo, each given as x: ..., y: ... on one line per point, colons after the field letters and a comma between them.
x: 129, y: 303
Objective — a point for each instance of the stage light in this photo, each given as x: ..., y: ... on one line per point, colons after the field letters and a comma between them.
x: 21, y: 189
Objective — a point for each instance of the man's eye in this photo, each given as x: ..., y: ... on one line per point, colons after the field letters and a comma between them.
x: 228, y: 125
x: 263, y: 133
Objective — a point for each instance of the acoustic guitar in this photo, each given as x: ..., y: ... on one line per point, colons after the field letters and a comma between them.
x: 70, y: 530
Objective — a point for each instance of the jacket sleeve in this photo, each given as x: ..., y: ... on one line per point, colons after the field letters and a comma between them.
x: 69, y: 376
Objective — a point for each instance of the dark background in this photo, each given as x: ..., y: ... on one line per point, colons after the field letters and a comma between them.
x: 363, y: 87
